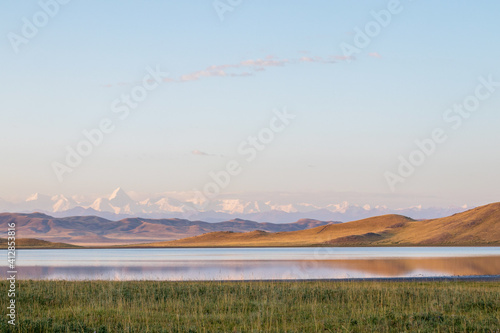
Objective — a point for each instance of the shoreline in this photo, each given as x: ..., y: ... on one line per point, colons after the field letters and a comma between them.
x: 112, y: 247
x: 465, y: 278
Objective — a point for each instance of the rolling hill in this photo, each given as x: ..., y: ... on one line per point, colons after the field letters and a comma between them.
x: 476, y: 227
x: 94, y: 231
x: 32, y: 243
x: 479, y: 226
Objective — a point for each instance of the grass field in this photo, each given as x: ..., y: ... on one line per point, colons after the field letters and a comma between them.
x: 319, y: 306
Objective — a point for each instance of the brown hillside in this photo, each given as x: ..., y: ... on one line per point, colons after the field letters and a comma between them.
x: 323, y: 235
x: 476, y: 226
x: 479, y: 226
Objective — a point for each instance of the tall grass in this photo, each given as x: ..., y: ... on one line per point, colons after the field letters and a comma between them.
x: 319, y: 306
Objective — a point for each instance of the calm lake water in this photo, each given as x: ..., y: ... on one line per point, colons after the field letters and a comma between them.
x: 255, y: 263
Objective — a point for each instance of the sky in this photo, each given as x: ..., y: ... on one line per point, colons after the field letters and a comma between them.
x: 338, y: 92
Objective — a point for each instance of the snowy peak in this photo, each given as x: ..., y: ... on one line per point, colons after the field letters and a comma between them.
x: 119, y: 195
x: 38, y: 197
x: 116, y: 193
x: 171, y: 205
x: 119, y: 203
x: 37, y: 201
x: 61, y: 203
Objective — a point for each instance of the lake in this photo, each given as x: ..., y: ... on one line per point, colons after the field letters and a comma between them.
x: 255, y: 263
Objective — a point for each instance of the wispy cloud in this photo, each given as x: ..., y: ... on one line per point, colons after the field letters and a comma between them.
x: 249, y: 67
x: 374, y: 55
x: 201, y: 153
x: 320, y: 60
x: 200, y: 74
x: 241, y: 74
x: 264, y: 63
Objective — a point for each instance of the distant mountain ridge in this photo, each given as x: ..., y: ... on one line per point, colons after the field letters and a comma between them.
x: 476, y: 227
x: 93, y: 230
x: 119, y: 205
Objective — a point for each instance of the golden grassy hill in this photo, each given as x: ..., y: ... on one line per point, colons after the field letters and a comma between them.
x: 32, y: 243
x: 479, y: 226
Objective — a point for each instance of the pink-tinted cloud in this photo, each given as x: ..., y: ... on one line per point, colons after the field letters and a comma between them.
x: 218, y: 67
x: 307, y: 59
x: 199, y: 74
x: 343, y: 58
x: 249, y: 67
x: 200, y: 153
x: 374, y: 55
x: 321, y: 60
x: 264, y: 63
x: 241, y: 74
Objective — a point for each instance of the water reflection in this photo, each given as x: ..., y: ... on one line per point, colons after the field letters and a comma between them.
x: 269, y: 269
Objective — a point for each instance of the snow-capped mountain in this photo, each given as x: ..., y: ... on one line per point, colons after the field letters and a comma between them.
x: 61, y: 203
x: 38, y: 201
x: 119, y: 205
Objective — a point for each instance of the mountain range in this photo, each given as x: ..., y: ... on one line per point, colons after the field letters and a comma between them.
x: 93, y: 230
x: 476, y: 227
x: 119, y: 205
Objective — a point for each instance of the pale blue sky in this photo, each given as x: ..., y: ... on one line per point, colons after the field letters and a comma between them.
x: 353, y: 118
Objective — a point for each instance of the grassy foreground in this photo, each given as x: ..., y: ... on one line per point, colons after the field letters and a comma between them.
x: 319, y: 306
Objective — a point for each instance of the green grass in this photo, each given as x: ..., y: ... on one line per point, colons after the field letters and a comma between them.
x: 320, y: 306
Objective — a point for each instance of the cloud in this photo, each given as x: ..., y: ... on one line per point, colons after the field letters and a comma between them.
x: 332, y: 59
x: 268, y: 61
x: 308, y: 59
x: 200, y: 153
x: 374, y: 55
x: 235, y: 70
x: 204, y: 73
x: 217, y: 67
x: 343, y: 58
x: 249, y: 67
x: 320, y: 60
x: 264, y: 63
x: 241, y: 74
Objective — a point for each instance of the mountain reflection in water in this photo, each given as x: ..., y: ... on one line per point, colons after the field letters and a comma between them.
x: 271, y: 269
